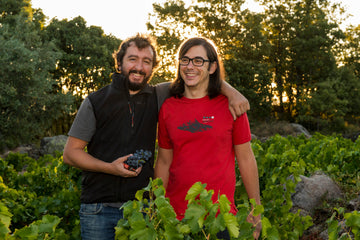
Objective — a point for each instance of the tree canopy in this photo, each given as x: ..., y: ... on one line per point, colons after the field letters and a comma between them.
x: 46, y: 71
x: 286, y: 60
x: 292, y: 61
x: 28, y: 102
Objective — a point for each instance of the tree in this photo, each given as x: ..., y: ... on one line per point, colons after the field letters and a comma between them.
x: 351, y: 73
x: 277, y: 24
x: 352, y: 55
x: 28, y: 100
x: 304, y: 65
x: 86, y: 62
x: 237, y: 34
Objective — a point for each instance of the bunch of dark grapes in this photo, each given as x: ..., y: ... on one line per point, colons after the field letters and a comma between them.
x: 138, y: 159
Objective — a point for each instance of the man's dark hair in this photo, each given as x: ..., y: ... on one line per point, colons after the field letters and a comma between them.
x: 141, y: 41
x: 178, y: 86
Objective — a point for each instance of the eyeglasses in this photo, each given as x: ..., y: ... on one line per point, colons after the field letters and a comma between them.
x: 197, y: 61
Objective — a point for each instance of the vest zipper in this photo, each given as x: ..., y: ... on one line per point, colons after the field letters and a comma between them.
x: 131, y: 110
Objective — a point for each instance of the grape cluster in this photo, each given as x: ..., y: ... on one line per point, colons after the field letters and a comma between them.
x: 138, y: 159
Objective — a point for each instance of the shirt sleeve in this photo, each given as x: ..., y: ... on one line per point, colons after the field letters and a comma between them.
x: 84, y: 124
x: 162, y: 92
x: 241, y: 130
x: 163, y: 135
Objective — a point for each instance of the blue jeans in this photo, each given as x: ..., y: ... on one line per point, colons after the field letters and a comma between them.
x: 98, y: 221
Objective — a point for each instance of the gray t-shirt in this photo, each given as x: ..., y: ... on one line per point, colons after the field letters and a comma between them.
x: 84, y: 124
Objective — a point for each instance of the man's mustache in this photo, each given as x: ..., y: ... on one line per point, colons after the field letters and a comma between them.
x: 138, y: 72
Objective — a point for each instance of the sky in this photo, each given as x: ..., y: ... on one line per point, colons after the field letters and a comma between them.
x: 125, y: 18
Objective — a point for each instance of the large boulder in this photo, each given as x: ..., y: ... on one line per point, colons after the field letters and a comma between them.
x: 266, y: 130
x: 23, y: 149
x: 299, y: 130
x: 51, y: 145
x: 311, y: 191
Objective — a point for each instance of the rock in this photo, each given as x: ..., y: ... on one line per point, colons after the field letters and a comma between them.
x: 265, y: 131
x: 353, y: 136
x: 310, y: 192
x: 354, y: 204
x: 51, y: 145
x: 48, y: 145
x: 253, y: 137
x: 21, y: 149
x: 324, y: 234
x: 299, y: 129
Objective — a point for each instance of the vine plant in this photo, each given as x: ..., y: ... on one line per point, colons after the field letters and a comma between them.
x: 153, y: 217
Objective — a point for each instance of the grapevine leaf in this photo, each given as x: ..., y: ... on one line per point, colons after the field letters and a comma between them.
x: 156, y: 182
x: 242, y: 214
x: 28, y: 232
x: 148, y: 187
x: 167, y: 213
x: 160, y: 191
x: 137, y: 221
x: 215, y: 224
x: 231, y: 224
x: 206, y: 195
x: 265, y: 223
x: 258, y: 209
x: 4, y: 230
x: 353, y: 219
x: 212, y: 212
x: 49, y: 224
x: 194, y: 191
x: 224, y: 204
x: 139, y: 194
x: 121, y: 230
x: 195, y: 215
x: 333, y: 229
x: 5, y: 215
x: 128, y: 208
x: 161, y: 201
x: 183, y: 228
x: 172, y: 232
x: 268, y: 231
x: 143, y: 234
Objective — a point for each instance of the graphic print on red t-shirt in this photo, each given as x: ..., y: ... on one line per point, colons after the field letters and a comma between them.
x: 194, y: 126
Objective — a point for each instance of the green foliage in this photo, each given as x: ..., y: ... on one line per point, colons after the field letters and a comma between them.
x: 292, y: 62
x: 283, y: 60
x: 352, y: 56
x: 279, y: 157
x: 5, y: 220
x: 28, y: 100
x: 46, y: 228
x: 154, y: 217
x: 33, y: 190
x: 45, y: 69
x: 237, y: 34
x: 86, y: 62
x: 39, y: 198
x: 352, y: 221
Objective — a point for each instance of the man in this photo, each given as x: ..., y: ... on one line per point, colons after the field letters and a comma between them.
x: 198, y: 139
x: 112, y: 123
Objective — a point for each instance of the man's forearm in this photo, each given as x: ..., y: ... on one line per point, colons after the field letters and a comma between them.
x: 238, y: 104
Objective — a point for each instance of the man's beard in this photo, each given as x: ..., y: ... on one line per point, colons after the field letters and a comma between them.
x: 136, y: 86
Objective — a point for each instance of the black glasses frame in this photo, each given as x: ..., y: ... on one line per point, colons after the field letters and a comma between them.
x: 192, y: 60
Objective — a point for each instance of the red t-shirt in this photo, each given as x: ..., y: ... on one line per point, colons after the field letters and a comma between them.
x: 202, y: 134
